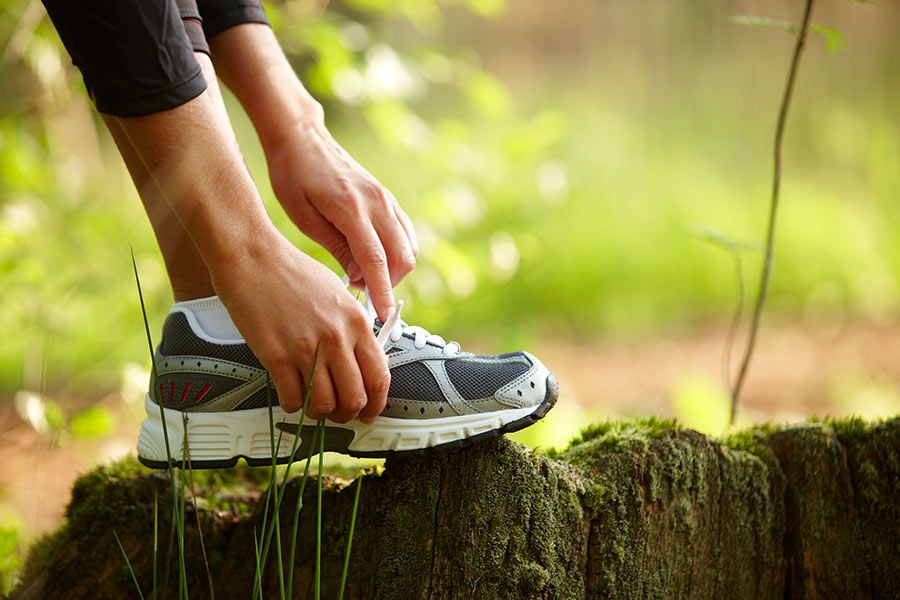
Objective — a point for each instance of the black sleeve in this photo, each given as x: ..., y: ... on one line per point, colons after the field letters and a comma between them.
x: 135, y: 56
x: 219, y: 15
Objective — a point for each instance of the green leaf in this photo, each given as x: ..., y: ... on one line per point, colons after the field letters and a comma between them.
x: 833, y: 38
x: 92, y: 422
x: 762, y: 22
x: 9, y: 541
x: 54, y: 415
x: 723, y: 240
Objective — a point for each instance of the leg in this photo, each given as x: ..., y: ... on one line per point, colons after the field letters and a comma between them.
x: 188, y: 274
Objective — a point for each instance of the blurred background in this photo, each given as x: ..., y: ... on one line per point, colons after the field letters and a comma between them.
x: 589, y: 180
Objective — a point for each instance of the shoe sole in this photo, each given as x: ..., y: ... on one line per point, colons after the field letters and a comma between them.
x: 219, y: 440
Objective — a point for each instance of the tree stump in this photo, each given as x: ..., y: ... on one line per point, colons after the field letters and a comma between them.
x: 633, y: 509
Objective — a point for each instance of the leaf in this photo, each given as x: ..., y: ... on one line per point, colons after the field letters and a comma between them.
x: 762, y: 22
x: 92, y: 422
x: 833, y: 38
x: 723, y: 240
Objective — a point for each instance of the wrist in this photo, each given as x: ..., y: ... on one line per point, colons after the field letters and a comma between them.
x: 286, y: 133
x: 244, y: 241
x: 300, y: 117
x: 253, y: 66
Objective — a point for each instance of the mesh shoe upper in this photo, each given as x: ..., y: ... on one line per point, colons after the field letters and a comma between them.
x: 427, y: 381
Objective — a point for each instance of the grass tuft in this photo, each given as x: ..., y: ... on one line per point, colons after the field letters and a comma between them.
x: 137, y: 586
x: 318, y: 589
x: 155, y: 539
x: 178, y: 523
x: 279, y: 490
x: 346, y: 568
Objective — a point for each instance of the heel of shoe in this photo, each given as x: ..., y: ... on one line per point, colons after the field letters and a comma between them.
x: 214, y: 440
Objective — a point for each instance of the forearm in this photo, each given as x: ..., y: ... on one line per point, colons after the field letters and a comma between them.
x: 191, y: 155
x: 250, y: 61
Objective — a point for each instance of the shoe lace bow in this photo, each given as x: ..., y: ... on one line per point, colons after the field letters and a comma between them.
x: 394, y: 328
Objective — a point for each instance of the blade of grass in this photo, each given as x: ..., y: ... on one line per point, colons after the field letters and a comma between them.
x: 272, y: 444
x: 128, y: 562
x: 258, y: 585
x: 273, y: 477
x: 318, y: 590
x: 278, y: 556
x: 179, y: 525
x: 155, y: 537
x: 276, y: 520
x: 346, y: 568
x: 298, y: 506
x: 182, y: 571
x: 172, y: 536
x: 209, y: 577
x: 280, y: 492
x: 273, y: 484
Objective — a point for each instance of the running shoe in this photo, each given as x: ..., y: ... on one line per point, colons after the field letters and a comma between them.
x: 212, y: 390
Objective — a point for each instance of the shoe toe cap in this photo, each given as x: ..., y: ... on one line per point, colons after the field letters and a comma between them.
x: 529, y: 389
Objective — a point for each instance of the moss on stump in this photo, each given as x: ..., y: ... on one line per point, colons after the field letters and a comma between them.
x: 633, y: 509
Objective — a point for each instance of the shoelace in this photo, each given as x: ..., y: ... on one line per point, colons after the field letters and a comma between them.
x: 394, y: 328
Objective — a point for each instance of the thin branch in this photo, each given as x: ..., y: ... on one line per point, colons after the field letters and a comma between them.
x: 800, y: 43
x: 736, y: 318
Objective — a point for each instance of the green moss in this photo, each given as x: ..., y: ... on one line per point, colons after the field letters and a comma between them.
x: 752, y: 440
x: 648, y: 427
x: 636, y: 508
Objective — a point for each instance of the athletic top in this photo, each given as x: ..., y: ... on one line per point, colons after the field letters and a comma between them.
x: 137, y: 56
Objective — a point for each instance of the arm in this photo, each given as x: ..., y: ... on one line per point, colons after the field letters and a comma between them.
x: 285, y: 304
x: 330, y: 197
x: 138, y: 63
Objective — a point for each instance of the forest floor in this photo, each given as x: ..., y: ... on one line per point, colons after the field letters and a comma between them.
x: 799, y: 371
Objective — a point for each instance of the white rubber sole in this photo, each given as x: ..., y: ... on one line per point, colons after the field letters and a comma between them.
x: 219, y: 439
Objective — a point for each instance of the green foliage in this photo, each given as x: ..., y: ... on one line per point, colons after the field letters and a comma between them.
x: 833, y: 38
x: 10, y: 557
x: 567, y: 203
x: 92, y: 422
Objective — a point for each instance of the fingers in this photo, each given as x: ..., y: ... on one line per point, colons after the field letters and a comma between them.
x: 348, y: 383
x: 373, y: 365
x: 322, y: 401
x: 395, y: 240
x: 329, y: 237
x: 372, y: 260
x: 381, y: 239
x: 287, y: 384
x: 407, y: 225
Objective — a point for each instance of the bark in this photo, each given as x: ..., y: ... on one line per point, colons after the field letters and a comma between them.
x: 639, y: 509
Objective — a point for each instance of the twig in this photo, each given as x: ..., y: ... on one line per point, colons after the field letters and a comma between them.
x: 736, y: 318
x: 800, y: 43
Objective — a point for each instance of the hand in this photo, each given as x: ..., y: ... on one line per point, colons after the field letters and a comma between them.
x: 340, y: 205
x: 286, y: 305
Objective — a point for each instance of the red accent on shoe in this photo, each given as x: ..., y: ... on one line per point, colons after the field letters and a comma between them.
x: 162, y: 394
x: 202, y: 392
x: 184, y: 393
